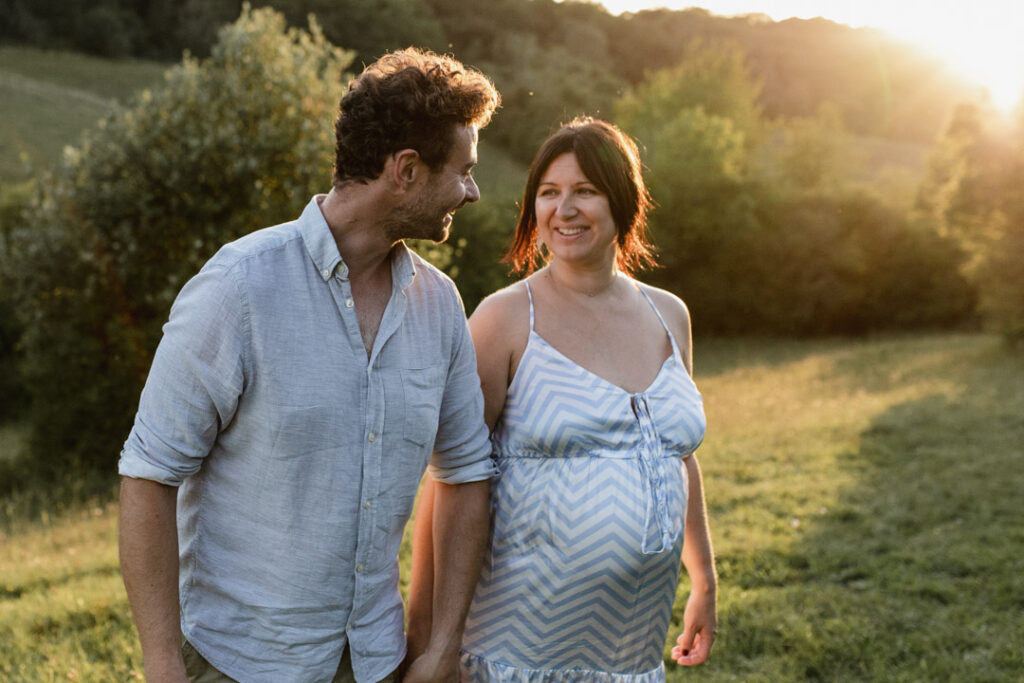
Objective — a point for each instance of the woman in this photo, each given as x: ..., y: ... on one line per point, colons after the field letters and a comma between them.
x: 594, y: 418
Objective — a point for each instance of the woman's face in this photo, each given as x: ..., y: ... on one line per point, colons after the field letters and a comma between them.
x: 574, y: 218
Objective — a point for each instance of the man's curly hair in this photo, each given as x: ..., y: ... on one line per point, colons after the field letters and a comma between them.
x: 409, y: 99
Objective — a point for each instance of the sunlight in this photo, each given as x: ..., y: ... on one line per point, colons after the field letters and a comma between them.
x: 982, y: 39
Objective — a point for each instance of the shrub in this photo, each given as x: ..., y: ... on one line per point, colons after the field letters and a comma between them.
x: 227, y: 145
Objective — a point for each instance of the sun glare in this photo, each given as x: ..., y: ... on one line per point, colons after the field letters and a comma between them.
x: 982, y: 39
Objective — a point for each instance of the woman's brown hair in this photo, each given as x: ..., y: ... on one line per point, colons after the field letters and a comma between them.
x: 611, y: 161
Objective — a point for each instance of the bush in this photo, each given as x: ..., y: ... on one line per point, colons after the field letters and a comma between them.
x: 14, y: 201
x: 227, y: 145
x: 851, y: 265
x: 972, y: 191
x: 758, y: 234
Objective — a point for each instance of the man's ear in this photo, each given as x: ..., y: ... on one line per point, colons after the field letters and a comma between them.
x: 406, y: 167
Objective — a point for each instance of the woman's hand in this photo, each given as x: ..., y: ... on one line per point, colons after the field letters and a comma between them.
x: 431, y: 668
x: 700, y: 624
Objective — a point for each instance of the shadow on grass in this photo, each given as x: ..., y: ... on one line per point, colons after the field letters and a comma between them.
x: 918, y: 572
x: 15, y: 591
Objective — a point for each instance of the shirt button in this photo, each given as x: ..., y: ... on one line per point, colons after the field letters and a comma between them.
x: 349, y: 303
x: 359, y: 569
x: 366, y: 505
x: 372, y: 437
x: 343, y: 270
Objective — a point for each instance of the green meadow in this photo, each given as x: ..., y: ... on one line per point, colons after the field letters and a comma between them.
x: 47, y: 98
x: 865, y: 499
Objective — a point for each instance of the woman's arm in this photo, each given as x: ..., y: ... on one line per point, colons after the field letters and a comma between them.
x: 493, y: 327
x: 700, y: 621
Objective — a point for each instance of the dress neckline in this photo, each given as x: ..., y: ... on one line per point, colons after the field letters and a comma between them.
x: 608, y: 382
x: 661, y: 370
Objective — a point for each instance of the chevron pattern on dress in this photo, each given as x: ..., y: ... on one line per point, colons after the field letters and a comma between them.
x: 588, y: 516
x: 565, y: 585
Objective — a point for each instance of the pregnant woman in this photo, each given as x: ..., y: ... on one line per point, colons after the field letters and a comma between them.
x: 586, y: 374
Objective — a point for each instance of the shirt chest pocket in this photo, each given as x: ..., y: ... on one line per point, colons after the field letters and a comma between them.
x: 423, y: 390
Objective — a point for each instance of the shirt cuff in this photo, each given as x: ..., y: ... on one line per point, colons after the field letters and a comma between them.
x: 479, y: 470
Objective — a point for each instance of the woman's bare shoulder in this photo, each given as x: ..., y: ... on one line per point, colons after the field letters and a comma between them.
x: 504, y: 305
x: 672, y: 308
x: 503, y: 315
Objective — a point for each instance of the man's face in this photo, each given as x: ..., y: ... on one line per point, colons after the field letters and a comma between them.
x: 428, y: 215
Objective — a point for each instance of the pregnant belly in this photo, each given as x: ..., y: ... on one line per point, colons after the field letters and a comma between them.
x: 566, y: 564
x: 585, y: 514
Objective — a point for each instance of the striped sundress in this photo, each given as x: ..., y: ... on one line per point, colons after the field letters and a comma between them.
x: 587, y: 523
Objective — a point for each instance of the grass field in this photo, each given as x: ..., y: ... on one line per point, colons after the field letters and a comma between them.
x: 865, y: 502
x: 48, y: 98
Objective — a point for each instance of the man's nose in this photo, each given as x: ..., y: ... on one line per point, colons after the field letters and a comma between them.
x: 472, y: 191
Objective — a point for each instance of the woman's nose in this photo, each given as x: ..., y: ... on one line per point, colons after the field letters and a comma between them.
x: 566, y: 206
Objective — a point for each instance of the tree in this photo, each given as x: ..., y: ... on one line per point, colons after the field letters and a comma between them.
x: 227, y: 145
x: 695, y: 123
x: 711, y: 76
x: 368, y: 28
x: 756, y: 232
x: 972, y: 190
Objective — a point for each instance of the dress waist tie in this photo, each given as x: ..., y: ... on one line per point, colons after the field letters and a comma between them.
x: 656, y: 514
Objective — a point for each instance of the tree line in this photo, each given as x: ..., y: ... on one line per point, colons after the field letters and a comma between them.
x: 768, y: 221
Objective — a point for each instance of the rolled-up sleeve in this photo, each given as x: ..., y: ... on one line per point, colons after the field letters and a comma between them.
x: 195, y: 382
x: 462, y: 450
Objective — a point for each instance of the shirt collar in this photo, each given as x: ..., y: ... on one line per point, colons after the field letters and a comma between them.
x: 403, y: 269
x: 319, y: 241
x: 323, y: 250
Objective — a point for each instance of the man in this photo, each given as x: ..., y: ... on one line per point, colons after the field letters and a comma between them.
x: 306, y: 376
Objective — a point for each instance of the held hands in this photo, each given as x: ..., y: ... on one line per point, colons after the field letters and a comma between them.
x: 699, y: 628
x: 166, y: 672
x: 431, y: 668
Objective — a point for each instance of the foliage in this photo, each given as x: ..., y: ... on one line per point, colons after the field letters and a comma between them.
x: 368, y: 28
x: 848, y: 264
x: 550, y: 61
x: 882, y: 87
x: 227, y: 145
x: 158, y: 29
x: 763, y: 232
x: 712, y: 77
x: 813, y: 150
x: 973, y: 193
x: 14, y: 200
x: 858, y: 524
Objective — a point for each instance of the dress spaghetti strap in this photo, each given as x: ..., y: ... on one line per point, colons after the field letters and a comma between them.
x: 529, y: 293
x: 671, y: 337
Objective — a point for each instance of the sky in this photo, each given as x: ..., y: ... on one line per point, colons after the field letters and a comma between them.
x: 982, y: 39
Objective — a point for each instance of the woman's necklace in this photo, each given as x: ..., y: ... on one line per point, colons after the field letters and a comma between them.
x: 588, y: 292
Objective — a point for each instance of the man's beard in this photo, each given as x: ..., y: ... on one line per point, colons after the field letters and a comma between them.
x: 419, y: 222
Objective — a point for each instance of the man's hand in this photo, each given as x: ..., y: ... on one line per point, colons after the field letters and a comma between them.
x: 172, y: 671
x: 430, y: 667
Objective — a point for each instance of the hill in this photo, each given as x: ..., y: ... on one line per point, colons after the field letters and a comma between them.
x: 48, y: 98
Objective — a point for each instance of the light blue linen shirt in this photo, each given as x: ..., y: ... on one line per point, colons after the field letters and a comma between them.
x: 297, y: 457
